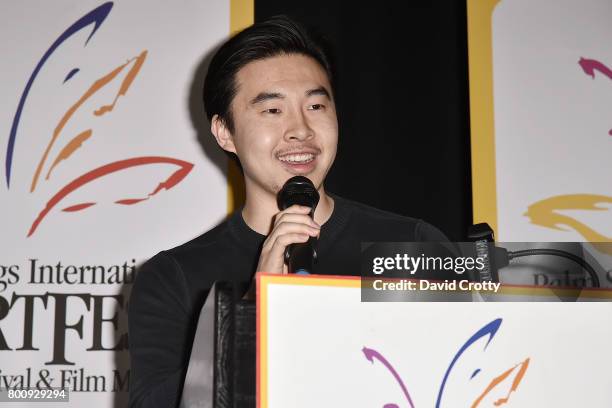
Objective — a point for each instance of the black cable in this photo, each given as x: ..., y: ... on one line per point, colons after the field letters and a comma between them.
x: 563, y: 254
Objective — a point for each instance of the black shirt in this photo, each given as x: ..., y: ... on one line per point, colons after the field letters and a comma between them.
x: 171, y: 287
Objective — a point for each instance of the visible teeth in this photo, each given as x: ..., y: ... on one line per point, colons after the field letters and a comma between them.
x: 297, y: 158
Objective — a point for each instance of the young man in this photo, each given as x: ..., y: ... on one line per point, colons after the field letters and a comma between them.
x: 269, y: 97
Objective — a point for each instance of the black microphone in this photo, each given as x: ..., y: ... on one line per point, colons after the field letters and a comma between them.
x: 300, y: 190
x: 496, y: 258
x: 484, y: 241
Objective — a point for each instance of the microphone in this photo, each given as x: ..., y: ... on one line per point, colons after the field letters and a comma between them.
x: 300, y: 190
x: 484, y: 241
x: 496, y: 258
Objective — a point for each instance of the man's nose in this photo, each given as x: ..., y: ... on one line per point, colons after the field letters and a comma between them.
x: 299, y: 128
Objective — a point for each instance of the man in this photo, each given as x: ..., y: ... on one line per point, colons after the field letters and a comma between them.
x: 269, y: 97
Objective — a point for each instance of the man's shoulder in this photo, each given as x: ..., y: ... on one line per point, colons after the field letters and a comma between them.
x: 194, y: 266
x: 199, y: 254
x: 205, y: 242
x: 388, y: 224
x: 364, y: 210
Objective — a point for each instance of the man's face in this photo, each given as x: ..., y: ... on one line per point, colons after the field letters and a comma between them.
x: 285, y: 122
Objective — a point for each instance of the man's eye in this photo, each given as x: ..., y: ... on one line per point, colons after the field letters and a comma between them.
x: 316, y: 106
x: 272, y: 110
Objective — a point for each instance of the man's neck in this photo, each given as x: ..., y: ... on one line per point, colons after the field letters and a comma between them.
x: 259, y: 212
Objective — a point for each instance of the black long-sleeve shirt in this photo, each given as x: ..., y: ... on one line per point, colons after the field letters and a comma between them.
x: 171, y: 287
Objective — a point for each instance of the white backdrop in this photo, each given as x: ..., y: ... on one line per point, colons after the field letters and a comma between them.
x: 552, y: 75
x: 124, y: 176
x: 540, y: 94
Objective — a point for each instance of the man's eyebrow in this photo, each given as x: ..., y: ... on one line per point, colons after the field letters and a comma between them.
x: 264, y: 96
x: 319, y: 91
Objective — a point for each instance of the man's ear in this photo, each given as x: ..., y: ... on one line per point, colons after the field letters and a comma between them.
x: 222, y: 134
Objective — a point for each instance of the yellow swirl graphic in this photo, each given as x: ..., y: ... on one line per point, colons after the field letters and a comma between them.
x: 544, y: 213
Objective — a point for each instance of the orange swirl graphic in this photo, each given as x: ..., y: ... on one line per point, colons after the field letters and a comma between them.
x: 76, y: 143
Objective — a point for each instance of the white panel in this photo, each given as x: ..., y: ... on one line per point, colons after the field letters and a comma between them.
x: 316, y: 356
x: 552, y: 66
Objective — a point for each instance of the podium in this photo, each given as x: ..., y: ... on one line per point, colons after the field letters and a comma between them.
x: 310, y: 341
x: 221, y: 371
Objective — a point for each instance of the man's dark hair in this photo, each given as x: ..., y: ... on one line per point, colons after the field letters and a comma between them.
x: 278, y: 35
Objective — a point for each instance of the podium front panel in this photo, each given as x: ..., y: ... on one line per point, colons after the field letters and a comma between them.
x: 320, y: 346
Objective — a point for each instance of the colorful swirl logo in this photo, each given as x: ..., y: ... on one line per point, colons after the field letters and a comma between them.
x: 68, y: 146
x: 508, y: 381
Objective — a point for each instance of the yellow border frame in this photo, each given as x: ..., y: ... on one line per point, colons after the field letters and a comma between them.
x: 484, y: 194
x: 480, y: 56
x: 242, y: 15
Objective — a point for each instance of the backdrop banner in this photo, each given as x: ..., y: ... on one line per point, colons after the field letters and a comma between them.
x: 106, y: 160
x: 540, y: 90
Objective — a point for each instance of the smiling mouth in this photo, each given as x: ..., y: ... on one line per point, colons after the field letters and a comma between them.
x: 297, y: 158
x: 299, y: 162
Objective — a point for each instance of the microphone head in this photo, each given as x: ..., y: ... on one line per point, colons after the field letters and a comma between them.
x: 298, y: 190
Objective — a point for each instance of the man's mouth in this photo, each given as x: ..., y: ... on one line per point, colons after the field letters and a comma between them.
x: 300, y: 162
x: 297, y: 158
